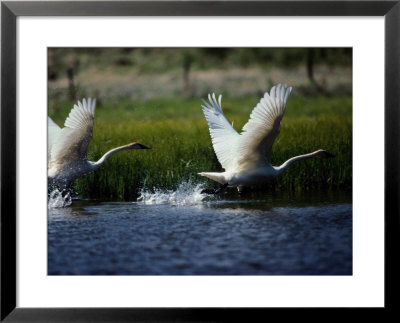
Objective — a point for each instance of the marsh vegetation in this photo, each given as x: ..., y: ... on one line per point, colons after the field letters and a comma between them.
x: 159, y: 105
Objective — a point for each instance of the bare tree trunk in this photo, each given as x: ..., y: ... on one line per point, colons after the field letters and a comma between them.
x: 310, y: 65
x: 310, y: 71
x: 187, y: 62
x: 71, y: 83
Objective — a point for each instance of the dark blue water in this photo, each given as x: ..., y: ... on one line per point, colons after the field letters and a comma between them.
x: 180, y: 233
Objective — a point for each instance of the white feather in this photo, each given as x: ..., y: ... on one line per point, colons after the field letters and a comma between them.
x: 53, y: 130
x: 73, y: 140
x: 82, y: 115
x: 260, y: 132
x: 223, y: 135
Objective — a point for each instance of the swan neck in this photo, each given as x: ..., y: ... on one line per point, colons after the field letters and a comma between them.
x: 108, y: 154
x: 290, y: 161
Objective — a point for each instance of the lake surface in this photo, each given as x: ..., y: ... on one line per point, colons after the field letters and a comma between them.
x: 186, y: 233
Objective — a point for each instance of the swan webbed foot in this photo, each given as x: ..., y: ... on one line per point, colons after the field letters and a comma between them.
x: 65, y: 192
x: 214, y: 191
x: 240, y: 189
x: 208, y: 191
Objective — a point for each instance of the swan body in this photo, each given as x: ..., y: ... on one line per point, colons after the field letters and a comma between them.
x: 67, y: 147
x: 246, y: 156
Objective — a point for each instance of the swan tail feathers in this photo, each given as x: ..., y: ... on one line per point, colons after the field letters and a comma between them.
x: 218, y: 177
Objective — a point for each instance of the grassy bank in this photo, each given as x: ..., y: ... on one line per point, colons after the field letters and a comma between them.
x: 177, y: 132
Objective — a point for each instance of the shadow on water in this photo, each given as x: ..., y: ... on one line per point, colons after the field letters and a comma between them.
x: 266, y: 201
x: 78, y: 210
x: 182, y: 233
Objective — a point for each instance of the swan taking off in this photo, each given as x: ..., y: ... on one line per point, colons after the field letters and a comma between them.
x: 246, y: 156
x: 67, y: 147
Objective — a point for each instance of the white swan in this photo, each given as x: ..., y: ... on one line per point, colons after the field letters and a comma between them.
x: 246, y: 156
x: 67, y: 147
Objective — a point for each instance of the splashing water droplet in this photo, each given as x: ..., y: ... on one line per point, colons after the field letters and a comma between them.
x: 56, y: 198
x: 187, y: 193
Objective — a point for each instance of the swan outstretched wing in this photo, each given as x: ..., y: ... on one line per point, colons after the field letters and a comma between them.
x: 53, y: 130
x: 73, y: 140
x: 223, y: 135
x: 259, y: 133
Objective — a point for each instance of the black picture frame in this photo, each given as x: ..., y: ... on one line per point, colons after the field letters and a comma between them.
x: 10, y: 10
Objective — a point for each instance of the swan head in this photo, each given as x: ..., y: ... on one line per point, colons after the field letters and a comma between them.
x: 136, y: 145
x: 323, y: 154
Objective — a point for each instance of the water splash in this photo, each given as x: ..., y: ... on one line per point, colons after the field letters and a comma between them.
x: 56, y: 198
x: 187, y: 193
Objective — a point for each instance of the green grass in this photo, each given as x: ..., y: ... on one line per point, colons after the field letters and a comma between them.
x: 177, y: 132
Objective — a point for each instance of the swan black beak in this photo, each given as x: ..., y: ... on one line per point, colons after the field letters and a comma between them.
x: 142, y: 147
x: 136, y: 145
x: 328, y: 155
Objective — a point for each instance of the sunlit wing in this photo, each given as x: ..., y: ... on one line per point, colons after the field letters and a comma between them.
x: 53, y: 130
x: 73, y: 140
x: 259, y: 133
x: 223, y: 135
